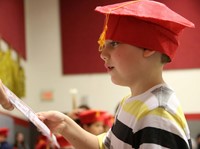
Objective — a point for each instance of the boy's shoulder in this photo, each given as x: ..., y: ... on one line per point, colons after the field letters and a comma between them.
x: 159, y: 96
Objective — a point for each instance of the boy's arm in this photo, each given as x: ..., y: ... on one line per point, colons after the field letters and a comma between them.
x: 78, y: 137
x: 59, y: 123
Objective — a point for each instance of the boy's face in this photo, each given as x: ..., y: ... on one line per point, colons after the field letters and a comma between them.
x: 123, y: 62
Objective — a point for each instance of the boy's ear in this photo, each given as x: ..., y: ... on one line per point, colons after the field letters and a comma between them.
x: 148, y: 52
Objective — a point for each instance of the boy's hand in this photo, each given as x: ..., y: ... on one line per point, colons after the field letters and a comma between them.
x: 60, y: 123
x: 54, y: 120
x: 5, y: 103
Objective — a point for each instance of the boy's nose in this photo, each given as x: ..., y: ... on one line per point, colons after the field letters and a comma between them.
x: 103, y: 56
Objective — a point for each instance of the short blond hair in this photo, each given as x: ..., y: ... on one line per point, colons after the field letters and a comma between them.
x: 165, y: 59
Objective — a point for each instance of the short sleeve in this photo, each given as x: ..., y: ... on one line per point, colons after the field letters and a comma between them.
x: 100, y: 140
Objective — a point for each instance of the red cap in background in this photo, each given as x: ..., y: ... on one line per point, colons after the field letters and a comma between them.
x: 91, y: 116
x: 4, y: 131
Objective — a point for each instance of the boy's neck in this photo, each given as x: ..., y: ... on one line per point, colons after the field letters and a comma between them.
x: 145, y: 85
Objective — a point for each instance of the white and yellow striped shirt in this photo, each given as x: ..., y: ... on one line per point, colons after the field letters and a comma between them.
x: 152, y: 120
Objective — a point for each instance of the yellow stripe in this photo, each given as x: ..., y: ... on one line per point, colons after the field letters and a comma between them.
x: 136, y: 108
x: 181, y: 117
x: 139, y: 110
x: 179, y: 120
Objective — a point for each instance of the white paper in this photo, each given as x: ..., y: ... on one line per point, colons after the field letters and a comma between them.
x: 30, y: 114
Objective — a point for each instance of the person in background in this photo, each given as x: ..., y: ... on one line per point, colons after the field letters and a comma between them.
x: 108, y: 121
x: 3, y: 139
x: 74, y: 113
x: 20, y: 142
x: 198, y: 141
x: 92, y: 121
x: 138, y: 39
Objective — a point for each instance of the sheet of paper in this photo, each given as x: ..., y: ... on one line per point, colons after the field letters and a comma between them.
x: 30, y: 114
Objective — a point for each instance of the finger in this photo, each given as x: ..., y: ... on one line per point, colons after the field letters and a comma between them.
x: 4, y: 100
x: 8, y: 106
x: 46, y: 115
x: 2, y: 94
x: 41, y: 116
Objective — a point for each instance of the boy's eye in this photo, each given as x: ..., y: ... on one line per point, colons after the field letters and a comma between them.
x: 114, y: 44
x: 109, y: 45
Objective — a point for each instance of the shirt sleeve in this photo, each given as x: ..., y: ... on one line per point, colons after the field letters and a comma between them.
x: 100, y: 140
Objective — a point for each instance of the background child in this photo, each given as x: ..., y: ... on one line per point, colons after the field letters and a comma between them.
x: 3, y: 139
x: 92, y: 121
x: 20, y: 141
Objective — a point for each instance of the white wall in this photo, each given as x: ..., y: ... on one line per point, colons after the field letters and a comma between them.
x: 43, y: 69
x: 186, y: 83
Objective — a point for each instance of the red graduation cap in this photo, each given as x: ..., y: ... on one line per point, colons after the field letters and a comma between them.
x: 4, y: 131
x: 91, y: 116
x: 143, y: 23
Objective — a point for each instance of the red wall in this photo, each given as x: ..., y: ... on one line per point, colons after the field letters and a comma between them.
x: 12, y: 24
x: 81, y: 26
x: 188, y: 53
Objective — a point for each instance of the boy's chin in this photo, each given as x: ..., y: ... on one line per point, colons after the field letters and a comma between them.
x: 117, y: 82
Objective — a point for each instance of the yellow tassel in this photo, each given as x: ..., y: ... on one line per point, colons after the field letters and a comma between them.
x: 102, y: 38
x: 97, y: 114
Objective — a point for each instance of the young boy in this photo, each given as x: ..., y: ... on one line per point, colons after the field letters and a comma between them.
x: 138, y: 38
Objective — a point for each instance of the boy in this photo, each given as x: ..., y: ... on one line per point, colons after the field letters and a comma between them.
x: 138, y: 38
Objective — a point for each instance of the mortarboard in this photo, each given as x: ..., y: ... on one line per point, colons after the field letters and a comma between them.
x: 143, y: 23
x: 91, y: 116
x: 4, y: 131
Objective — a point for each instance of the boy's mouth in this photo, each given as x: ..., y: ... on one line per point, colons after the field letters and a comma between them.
x: 109, y: 68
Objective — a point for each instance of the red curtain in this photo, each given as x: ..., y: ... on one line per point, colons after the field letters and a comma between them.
x: 188, y: 53
x: 12, y: 25
x: 81, y: 27
x: 80, y: 30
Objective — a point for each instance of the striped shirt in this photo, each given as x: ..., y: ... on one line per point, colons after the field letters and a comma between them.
x: 152, y: 120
